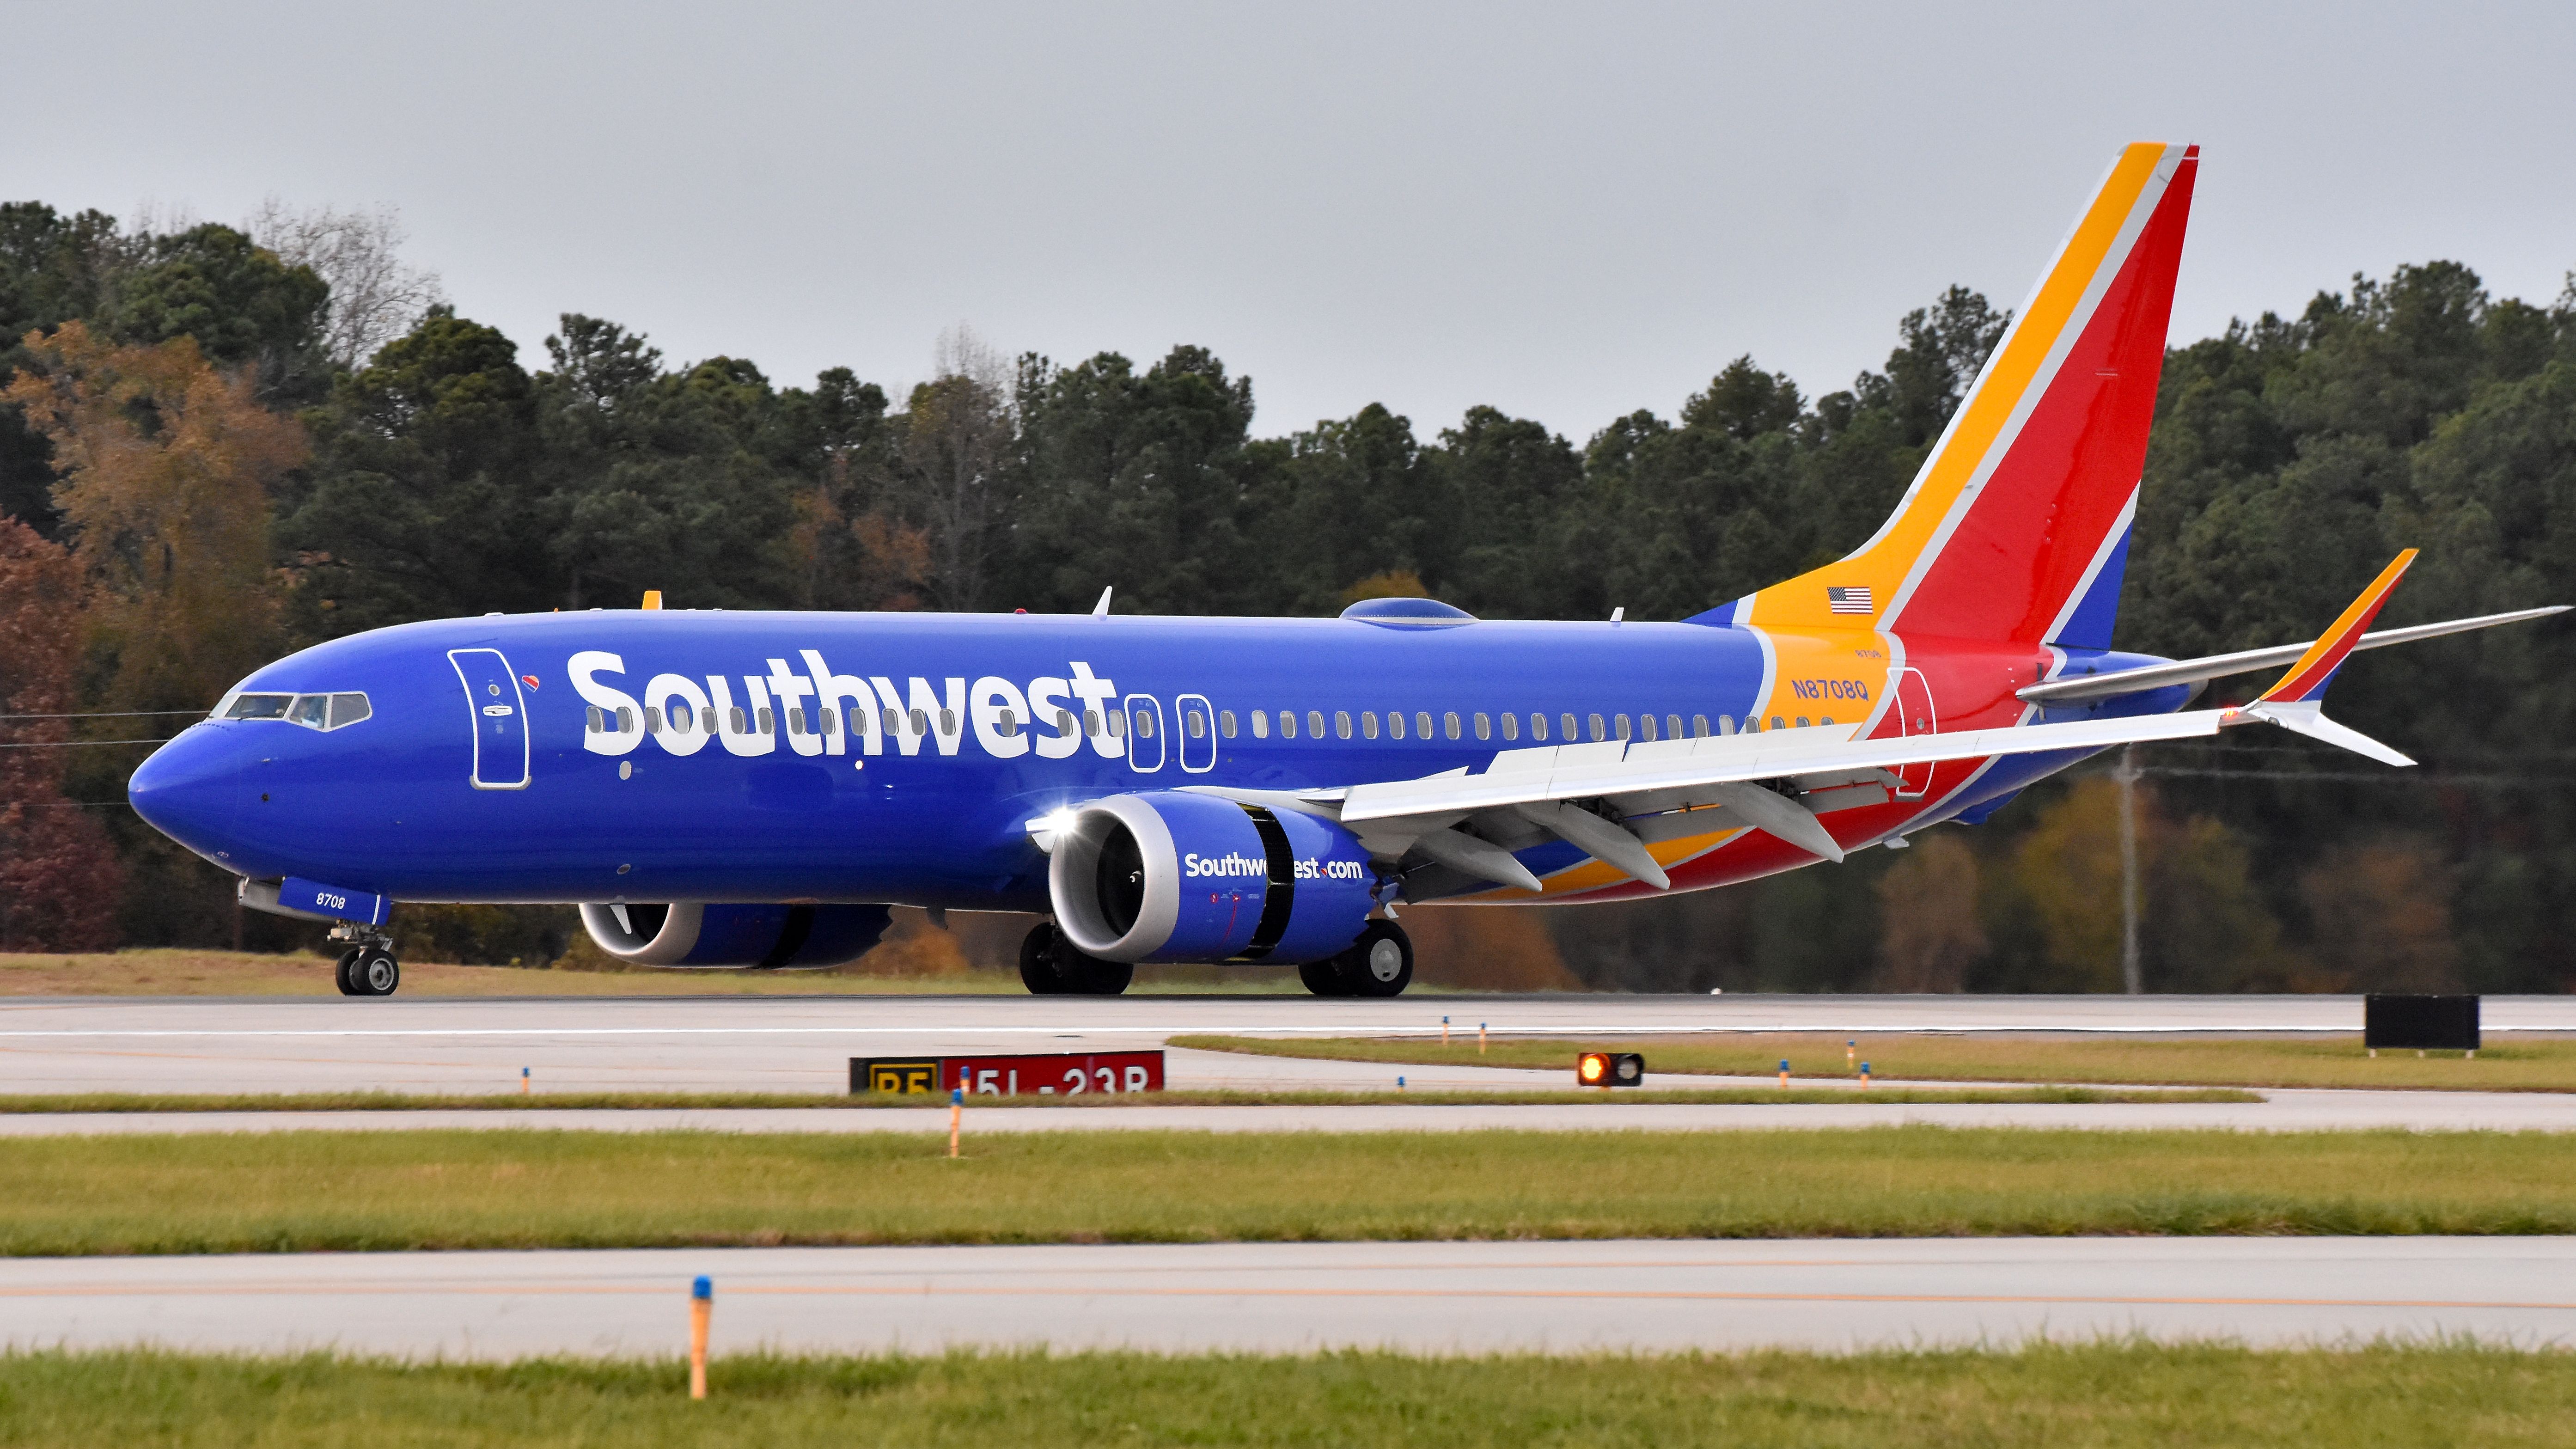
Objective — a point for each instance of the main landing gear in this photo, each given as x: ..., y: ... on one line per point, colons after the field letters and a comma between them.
x: 1379, y: 963
x: 1050, y: 965
x: 368, y: 967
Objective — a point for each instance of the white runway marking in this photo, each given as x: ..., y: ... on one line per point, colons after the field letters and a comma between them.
x: 1445, y: 1297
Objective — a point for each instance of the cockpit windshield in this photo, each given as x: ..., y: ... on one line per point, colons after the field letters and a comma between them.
x: 313, y: 711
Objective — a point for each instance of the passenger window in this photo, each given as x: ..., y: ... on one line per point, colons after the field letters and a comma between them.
x: 1315, y: 724
x: 626, y: 720
x: 1395, y: 724
x: 1287, y: 724
x: 740, y: 725
x: 1010, y: 725
x: 1538, y: 726
x: 830, y: 724
x: 680, y: 718
x: 260, y: 706
x: 1619, y: 727
x: 1726, y: 724
x: 1197, y: 723
x: 1225, y: 722
x: 920, y: 722
x: 1646, y: 727
x: 1341, y: 724
x: 1261, y: 724
x: 1511, y: 727
x: 947, y: 722
x: 1091, y: 723
x: 1776, y: 723
x: 1368, y: 724
x: 1699, y: 726
x: 1449, y: 724
x: 1117, y: 725
x: 1485, y: 725
x: 1567, y: 722
x: 796, y: 719
x: 595, y: 721
x: 1422, y: 724
x: 1828, y: 719
x: 1673, y: 728
x: 348, y: 709
x: 1802, y: 721
x: 1598, y: 732
x: 312, y: 711
x: 1144, y: 726
x: 652, y: 720
x: 768, y: 721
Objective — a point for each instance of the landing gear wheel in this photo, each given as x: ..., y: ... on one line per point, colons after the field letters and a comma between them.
x: 1050, y: 965
x: 1379, y: 963
x: 340, y: 974
x: 1324, y: 978
x: 375, y: 973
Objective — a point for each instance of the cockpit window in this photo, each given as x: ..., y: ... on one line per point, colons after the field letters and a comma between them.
x: 313, y: 711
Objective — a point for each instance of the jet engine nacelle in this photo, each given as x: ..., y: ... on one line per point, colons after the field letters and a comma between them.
x: 764, y: 936
x: 1169, y: 876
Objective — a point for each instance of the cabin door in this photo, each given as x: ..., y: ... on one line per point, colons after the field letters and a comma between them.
x: 1914, y: 717
x: 499, y: 711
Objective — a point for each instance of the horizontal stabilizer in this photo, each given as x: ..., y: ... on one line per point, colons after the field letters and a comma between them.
x: 2219, y: 666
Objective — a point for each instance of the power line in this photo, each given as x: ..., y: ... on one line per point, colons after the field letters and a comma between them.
x: 105, y: 714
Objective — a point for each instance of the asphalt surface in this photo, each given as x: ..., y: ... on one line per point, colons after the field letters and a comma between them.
x: 1274, y: 1297
x: 803, y: 1044
x: 2281, y: 1111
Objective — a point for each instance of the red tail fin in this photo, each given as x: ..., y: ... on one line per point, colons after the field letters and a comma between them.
x: 2017, y: 526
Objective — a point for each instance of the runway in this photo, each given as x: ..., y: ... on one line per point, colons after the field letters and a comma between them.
x: 2281, y: 1111
x: 803, y: 1044
x: 1287, y: 1297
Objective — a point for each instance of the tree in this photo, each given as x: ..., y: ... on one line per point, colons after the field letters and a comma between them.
x: 59, y: 877
x: 374, y: 296
x: 238, y: 301
x: 1929, y: 934
x: 166, y: 465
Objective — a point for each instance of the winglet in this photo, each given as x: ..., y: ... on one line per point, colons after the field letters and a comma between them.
x: 2295, y: 700
x: 2306, y: 680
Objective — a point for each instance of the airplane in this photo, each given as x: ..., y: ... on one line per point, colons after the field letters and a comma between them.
x: 727, y: 789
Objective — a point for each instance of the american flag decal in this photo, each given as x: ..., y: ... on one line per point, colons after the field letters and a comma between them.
x: 1848, y: 601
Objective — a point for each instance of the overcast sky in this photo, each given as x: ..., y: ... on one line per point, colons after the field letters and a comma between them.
x: 1568, y: 212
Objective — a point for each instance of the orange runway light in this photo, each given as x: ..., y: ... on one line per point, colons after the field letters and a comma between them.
x: 1610, y: 1069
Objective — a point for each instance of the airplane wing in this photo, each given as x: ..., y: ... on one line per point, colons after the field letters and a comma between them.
x: 1602, y: 798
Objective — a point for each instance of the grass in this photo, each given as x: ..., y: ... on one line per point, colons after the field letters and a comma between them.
x: 1228, y: 1097
x: 2091, y: 1396
x: 2523, y: 1064
x: 360, y: 1191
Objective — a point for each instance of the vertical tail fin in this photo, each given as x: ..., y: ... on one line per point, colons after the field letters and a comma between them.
x: 2017, y: 527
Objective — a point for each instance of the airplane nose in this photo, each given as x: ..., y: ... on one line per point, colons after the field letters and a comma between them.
x: 190, y: 789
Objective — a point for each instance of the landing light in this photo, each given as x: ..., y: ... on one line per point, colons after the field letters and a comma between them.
x: 1044, y: 829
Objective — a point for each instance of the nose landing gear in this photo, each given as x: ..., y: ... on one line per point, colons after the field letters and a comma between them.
x: 368, y: 967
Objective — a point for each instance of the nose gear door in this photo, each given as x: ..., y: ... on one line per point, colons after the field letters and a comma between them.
x: 499, y: 710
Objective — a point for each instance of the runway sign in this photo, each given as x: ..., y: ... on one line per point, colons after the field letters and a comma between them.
x: 1051, y: 1074
x: 2428, y: 1023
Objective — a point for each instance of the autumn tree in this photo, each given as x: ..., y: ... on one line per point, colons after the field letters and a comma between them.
x: 59, y: 877
x: 165, y: 465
